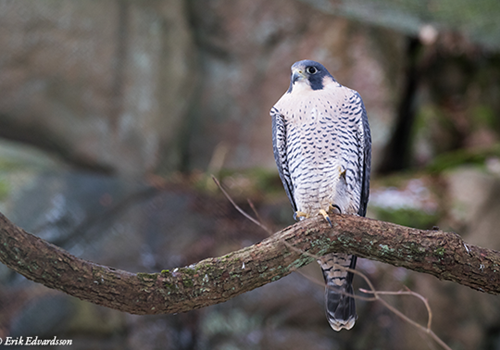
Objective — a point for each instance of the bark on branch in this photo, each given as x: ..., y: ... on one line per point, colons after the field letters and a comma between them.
x: 215, y: 280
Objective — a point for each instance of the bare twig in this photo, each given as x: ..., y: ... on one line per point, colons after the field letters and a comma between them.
x: 376, y: 297
x: 406, y: 292
x: 410, y: 321
x: 258, y: 216
x: 238, y: 208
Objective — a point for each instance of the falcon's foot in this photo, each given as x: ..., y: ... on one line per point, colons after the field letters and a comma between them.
x: 325, y: 215
x: 300, y: 214
x: 342, y: 173
x: 332, y: 208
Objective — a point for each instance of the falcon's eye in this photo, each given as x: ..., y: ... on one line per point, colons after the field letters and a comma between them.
x: 311, y: 70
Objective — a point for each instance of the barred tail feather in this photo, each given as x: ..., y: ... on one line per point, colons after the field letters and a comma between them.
x: 340, y: 306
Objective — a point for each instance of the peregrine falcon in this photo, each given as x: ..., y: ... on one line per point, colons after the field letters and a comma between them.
x: 322, y: 147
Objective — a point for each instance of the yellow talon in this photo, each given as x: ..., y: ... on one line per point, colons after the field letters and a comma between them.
x: 342, y: 173
x: 300, y: 214
x: 325, y: 215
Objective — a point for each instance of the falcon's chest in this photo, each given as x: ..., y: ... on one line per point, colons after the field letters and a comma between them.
x: 313, y: 128
x: 307, y: 108
x: 312, y: 124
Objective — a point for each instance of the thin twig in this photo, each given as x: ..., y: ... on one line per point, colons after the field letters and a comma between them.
x: 237, y: 207
x: 419, y: 326
x: 376, y: 297
x: 258, y: 216
x: 407, y: 292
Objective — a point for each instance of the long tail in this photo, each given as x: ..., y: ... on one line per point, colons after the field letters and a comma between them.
x: 340, y: 307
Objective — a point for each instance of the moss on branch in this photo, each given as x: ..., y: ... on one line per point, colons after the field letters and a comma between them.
x: 215, y: 280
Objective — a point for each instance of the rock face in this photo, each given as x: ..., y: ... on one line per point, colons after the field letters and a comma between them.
x: 133, y: 87
x: 474, y: 212
x: 246, y: 50
x: 162, y: 86
x: 103, y: 84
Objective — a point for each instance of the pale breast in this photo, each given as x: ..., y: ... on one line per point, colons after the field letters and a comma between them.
x: 316, y: 142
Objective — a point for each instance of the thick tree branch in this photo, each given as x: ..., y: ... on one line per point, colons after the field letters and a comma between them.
x: 215, y: 280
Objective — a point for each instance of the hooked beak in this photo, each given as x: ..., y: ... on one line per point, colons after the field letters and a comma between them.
x: 297, y: 74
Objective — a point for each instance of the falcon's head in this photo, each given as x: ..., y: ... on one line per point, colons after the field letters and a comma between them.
x: 309, y: 75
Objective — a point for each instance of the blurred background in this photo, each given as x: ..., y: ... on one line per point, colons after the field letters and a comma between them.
x: 114, y: 114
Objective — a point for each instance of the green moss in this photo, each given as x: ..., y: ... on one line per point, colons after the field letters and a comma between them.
x: 385, y: 249
x: 209, y: 270
x: 4, y: 190
x: 415, y: 249
x: 454, y: 159
x: 485, y: 116
x: 267, y: 181
x: 298, y: 263
x: 187, y: 283
x: 440, y: 251
x: 408, y: 217
x: 187, y: 271
x: 97, y: 272
x: 147, y: 277
x: 33, y: 267
x: 10, y: 165
x: 258, y: 179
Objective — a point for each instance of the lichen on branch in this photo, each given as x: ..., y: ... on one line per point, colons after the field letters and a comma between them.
x: 216, y: 280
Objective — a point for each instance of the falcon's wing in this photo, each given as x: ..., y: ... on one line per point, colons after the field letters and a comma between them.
x: 280, y: 153
x: 366, y: 147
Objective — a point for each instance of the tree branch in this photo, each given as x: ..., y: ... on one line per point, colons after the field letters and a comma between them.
x: 215, y: 280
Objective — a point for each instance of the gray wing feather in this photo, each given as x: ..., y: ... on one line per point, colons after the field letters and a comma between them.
x: 366, y: 144
x: 340, y: 305
x: 280, y: 153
